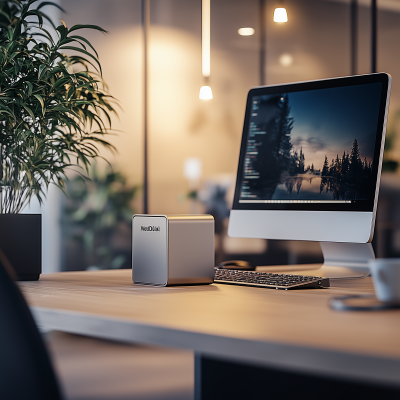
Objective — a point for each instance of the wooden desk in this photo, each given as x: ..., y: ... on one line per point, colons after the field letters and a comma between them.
x: 292, y: 331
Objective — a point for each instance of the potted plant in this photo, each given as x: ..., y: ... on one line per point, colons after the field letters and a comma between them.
x: 55, y: 112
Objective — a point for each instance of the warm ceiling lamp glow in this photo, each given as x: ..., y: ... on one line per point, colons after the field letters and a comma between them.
x: 280, y: 15
x: 246, y: 31
x: 205, y: 37
x: 205, y: 93
x: 192, y: 168
x: 286, y: 60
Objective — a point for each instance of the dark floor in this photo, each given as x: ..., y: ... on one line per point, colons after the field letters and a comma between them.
x: 101, y: 370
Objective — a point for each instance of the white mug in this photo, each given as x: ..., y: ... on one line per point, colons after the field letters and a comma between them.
x: 386, y: 277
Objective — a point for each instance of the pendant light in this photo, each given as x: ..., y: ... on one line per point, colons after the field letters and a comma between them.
x: 205, y: 91
x: 280, y: 14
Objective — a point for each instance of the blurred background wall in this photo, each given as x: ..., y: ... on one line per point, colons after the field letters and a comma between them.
x: 313, y: 44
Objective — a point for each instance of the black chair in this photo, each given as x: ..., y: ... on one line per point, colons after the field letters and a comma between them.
x: 25, y: 368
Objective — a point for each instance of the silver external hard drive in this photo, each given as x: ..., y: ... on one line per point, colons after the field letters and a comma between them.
x: 172, y: 250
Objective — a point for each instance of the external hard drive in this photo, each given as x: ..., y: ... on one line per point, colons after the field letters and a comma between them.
x: 172, y: 250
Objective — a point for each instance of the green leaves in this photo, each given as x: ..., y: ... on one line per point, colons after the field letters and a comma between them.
x: 42, y: 70
x: 98, y: 28
x: 29, y: 111
x: 40, y: 101
x: 81, y: 51
x: 53, y: 109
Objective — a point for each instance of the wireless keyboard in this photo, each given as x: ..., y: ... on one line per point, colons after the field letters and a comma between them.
x: 269, y: 280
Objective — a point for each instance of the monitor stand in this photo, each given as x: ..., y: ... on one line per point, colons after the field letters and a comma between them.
x: 340, y: 260
x: 346, y: 259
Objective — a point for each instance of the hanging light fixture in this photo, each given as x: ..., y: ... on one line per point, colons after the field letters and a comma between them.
x: 280, y: 14
x: 205, y: 91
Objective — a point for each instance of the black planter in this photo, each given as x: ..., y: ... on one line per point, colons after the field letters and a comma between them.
x: 21, y: 243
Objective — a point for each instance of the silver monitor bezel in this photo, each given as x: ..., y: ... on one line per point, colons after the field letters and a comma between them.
x: 278, y: 221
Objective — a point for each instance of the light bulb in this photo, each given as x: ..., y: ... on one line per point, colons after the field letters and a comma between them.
x: 280, y: 15
x: 246, y: 31
x: 205, y: 93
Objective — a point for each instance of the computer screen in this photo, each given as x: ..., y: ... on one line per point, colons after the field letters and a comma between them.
x: 314, y: 147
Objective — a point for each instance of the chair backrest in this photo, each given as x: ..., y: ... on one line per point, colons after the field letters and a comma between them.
x: 25, y: 368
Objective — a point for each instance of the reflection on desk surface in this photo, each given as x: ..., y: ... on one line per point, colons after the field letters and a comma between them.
x: 314, y: 270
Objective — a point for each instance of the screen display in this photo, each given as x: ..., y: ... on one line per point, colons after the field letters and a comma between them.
x: 310, y: 147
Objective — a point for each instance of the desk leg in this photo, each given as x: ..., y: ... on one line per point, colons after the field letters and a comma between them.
x: 197, y: 376
x: 218, y: 379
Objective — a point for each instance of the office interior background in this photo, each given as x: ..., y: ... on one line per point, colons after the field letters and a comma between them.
x: 204, y: 135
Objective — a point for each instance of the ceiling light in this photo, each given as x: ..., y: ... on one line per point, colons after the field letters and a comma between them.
x: 205, y: 38
x: 205, y: 93
x: 280, y: 15
x: 246, y: 31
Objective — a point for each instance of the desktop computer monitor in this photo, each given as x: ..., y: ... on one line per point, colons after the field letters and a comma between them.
x: 310, y: 161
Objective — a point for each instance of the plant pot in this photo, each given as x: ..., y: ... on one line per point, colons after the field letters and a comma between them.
x: 21, y: 243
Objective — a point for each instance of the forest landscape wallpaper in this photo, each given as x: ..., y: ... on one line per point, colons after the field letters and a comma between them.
x: 311, y: 145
